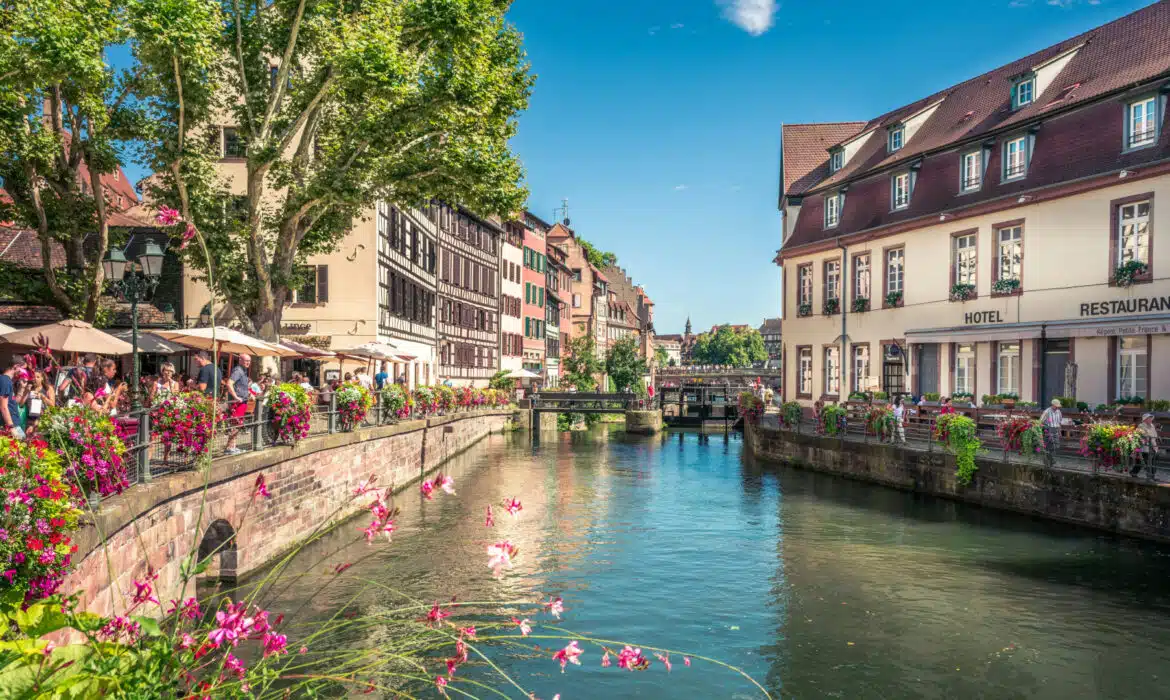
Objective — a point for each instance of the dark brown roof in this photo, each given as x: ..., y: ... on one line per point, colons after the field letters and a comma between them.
x: 770, y: 325
x: 669, y: 336
x: 805, y: 152
x: 1122, y: 53
x: 22, y: 247
x: 28, y: 314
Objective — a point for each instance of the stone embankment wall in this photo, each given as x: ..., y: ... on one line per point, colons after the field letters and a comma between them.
x: 158, y: 524
x: 1118, y: 504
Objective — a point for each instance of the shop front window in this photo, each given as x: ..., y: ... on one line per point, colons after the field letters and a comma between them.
x: 965, y: 369
x: 1132, y: 360
x: 1009, y: 368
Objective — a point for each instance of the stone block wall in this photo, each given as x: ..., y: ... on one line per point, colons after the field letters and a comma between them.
x: 1110, y: 502
x: 154, y: 525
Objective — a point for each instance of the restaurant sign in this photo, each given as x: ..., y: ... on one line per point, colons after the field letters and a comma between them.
x: 1116, y: 307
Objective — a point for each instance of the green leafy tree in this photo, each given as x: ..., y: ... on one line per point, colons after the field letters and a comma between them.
x: 335, y: 108
x: 661, y: 358
x: 501, y: 382
x: 64, y: 112
x: 624, y: 365
x: 729, y: 346
x: 597, y: 258
x: 582, y: 366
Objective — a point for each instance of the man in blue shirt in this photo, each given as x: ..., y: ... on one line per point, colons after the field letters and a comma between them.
x: 382, y: 377
x: 7, y: 399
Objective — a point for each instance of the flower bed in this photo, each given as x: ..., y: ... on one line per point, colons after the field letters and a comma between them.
x: 183, y: 422
x: 1021, y: 434
x: 750, y: 406
x: 35, y: 546
x: 1112, y: 445
x: 396, y: 401
x: 354, y: 402
x: 288, y: 405
x: 88, y: 443
x: 445, y: 398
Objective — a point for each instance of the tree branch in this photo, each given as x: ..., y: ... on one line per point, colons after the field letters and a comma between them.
x: 282, y: 73
x: 293, y: 128
x: 240, y: 58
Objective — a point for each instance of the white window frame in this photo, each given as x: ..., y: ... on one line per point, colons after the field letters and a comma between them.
x: 1147, y: 129
x: 971, y: 171
x: 1012, y: 243
x: 804, y: 372
x: 1132, y: 361
x: 804, y: 284
x: 1017, y: 102
x: 1134, y: 245
x: 1020, y: 154
x: 964, y: 369
x: 900, y: 191
x: 862, y: 277
x: 832, y: 371
x: 1008, y: 359
x: 832, y: 209
x: 897, y: 134
x: 896, y: 273
x: 832, y: 279
x: 965, y: 258
x: 860, y: 366
x: 836, y: 160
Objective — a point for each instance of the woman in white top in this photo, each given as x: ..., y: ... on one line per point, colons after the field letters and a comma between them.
x: 165, y: 385
x: 899, y: 421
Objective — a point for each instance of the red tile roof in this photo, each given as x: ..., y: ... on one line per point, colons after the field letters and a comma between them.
x: 1117, y: 55
x: 805, y: 152
x: 28, y: 314
x: 21, y: 247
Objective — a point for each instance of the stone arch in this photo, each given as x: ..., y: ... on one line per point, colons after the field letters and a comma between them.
x: 219, y: 545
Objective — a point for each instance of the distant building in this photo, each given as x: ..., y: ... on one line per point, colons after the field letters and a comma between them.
x: 770, y: 330
x: 672, y: 345
x: 512, y: 297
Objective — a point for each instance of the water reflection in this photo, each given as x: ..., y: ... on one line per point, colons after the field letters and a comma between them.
x: 821, y: 586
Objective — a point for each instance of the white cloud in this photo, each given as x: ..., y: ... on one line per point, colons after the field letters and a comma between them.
x: 654, y: 30
x: 753, y: 16
x: 677, y: 25
x: 678, y: 188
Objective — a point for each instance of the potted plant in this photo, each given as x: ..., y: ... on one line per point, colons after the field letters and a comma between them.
x: 991, y: 401
x: 790, y: 414
x: 931, y: 398
x: 963, y: 398
x: 750, y: 406
x: 957, y: 433
x: 859, y: 396
x: 832, y: 420
x: 880, y: 397
x: 1008, y: 285
x: 1009, y: 399
x: 804, y: 310
x: 1128, y: 272
x: 831, y: 306
x: 962, y: 292
x: 894, y: 299
x: 880, y: 421
x: 1021, y: 434
x: 860, y: 304
x: 1112, y: 445
x: 354, y: 401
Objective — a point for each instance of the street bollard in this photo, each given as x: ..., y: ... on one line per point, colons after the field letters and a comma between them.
x: 333, y: 413
x: 144, y: 448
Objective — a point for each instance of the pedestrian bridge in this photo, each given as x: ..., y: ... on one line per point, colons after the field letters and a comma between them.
x: 579, y: 402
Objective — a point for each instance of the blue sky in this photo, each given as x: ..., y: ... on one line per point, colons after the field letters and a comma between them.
x: 660, y: 121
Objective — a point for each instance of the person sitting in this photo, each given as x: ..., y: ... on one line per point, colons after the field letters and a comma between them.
x: 164, y: 385
x: 946, y: 407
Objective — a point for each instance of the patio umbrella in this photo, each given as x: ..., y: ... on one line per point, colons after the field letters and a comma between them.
x: 226, y: 341
x: 307, y: 351
x: 522, y: 374
x: 69, y: 335
x: 371, y: 351
x: 5, y: 329
x: 150, y: 343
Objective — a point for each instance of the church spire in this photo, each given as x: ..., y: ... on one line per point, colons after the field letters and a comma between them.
x: 688, y: 329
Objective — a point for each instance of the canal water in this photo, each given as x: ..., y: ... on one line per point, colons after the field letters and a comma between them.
x: 816, y: 587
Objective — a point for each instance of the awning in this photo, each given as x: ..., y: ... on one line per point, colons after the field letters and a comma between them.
x: 1154, y: 324
x: 975, y: 333
x: 151, y: 344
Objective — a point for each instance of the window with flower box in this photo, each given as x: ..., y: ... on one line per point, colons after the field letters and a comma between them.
x: 804, y: 289
x: 895, y: 276
x: 964, y: 261
x: 1009, y: 259
x: 861, y: 283
x: 1132, y: 240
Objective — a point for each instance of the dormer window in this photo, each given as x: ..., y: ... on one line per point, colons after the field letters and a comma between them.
x: 1141, y: 122
x: 900, y: 191
x: 972, y: 171
x: 1024, y: 92
x: 897, y: 138
x: 836, y: 159
x: 833, y: 204
x: 1015, y: 158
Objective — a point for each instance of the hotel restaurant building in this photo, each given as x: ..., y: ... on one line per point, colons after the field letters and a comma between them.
x: 1009, y: 234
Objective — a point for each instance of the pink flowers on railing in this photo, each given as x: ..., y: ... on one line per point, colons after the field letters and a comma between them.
x: 183, y: 422
x: 88, y: 442
x: 354, y: 402
x: 288, y: 405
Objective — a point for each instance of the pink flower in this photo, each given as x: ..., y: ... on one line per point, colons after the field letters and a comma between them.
x: 342, y: 567
x: 686, y: 661
x: 631, y: 659
x: 188, y: 609
x: 469, y: 632
x: 665, y: 659
x: 371, y: 531
x: 49, y: 647
x: 428, y: 489
x: 447, y: 484
x: 441, y: 684
x: 188, y: 235
x: 167, y: 216
x: 513, y: 507
x: 556, y: 607
x: 303, y: 650
x: 605, y: 662
x: 437, y: 614
x: 501, y: 554
x: 144, y: 590
x: 452, y: 665
x: 525, y: 628
x: 365, y: 487
x: 569, y: 655
x: 275, y: 644
x: 388, y: 529
x: 490, y: 521
x: 261, y: 488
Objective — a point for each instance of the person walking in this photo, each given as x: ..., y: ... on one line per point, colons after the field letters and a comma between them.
x: 238, y: 390
x: 383, y: 376
x: 1149, y: 433
x: 1050, y: 421
x: 209, y: 375
x: 899, y: 435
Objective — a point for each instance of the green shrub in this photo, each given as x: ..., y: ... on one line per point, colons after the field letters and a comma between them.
x: 1160, y: 405
x: 931, y: 396
x: 1066, y: 401
x: 881, y: 395
x: 957, y: 433
x: 790, y: 414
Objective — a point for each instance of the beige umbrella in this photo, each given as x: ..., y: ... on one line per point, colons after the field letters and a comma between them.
x: 307, y: 351
x: 5, y: 329
x: 69, y: 335
x: 372, y: 351
x: 226, y: 341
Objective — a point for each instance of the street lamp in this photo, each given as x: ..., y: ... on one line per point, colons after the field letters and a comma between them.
x: 135, y: 287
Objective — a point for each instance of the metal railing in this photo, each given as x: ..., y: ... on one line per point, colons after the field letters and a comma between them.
x: 919, y: 433
x: 147, y: 457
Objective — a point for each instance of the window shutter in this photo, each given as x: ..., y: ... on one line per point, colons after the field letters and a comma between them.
x: 322, y: 284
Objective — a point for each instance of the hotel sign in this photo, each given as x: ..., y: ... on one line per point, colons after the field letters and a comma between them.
x: 975, y: 318
x: 1117, y: 307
